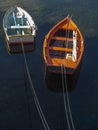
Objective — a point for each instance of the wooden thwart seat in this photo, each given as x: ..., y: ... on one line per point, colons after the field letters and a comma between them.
x: 17, y: 27
x: 62, y: 38
x: 61, y: 49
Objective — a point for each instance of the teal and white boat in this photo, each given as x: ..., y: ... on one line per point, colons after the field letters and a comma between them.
x: 20, y: 30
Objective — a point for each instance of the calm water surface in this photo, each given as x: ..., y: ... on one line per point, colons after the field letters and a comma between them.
x: 17, y: 107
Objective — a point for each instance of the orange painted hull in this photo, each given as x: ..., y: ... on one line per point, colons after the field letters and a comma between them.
x: 63, y: 46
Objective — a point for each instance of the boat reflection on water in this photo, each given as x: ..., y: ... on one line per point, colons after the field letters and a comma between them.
x: 55, y: 82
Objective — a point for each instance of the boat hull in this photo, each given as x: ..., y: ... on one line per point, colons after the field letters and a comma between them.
x: 20, y: 44
x: 54, y: 80
x: 58, y: 69
x: 63, y: 46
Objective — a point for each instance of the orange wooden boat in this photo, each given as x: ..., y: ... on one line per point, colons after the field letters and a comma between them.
x: 63, y: 46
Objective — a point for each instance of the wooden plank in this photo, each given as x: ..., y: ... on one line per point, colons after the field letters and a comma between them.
x: 61, y: 49
x: 18, y: 27
x: 62, y: 38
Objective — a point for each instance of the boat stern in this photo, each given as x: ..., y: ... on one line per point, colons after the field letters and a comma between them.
x: 19, y: 44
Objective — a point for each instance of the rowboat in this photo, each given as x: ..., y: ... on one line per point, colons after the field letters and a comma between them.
x: 63, y: 47
x: 20, y: 30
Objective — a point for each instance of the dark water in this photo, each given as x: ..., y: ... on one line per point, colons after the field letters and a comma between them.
x: 17, y: 107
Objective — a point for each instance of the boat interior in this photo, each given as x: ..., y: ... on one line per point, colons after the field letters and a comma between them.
x: 64, y: 45
x: 18, y: 23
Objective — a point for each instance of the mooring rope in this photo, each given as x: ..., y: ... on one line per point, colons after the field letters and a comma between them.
x: 43, y: 119
x: 66, y: 99
x: 34, y: 95
x: 39, y: 109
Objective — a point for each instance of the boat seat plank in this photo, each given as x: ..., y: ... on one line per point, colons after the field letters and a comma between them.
x: 61, y: 49
x: 17, y: 27
x: 62, y: 38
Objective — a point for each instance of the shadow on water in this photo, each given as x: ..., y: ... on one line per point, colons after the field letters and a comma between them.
x: 55, y: 82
